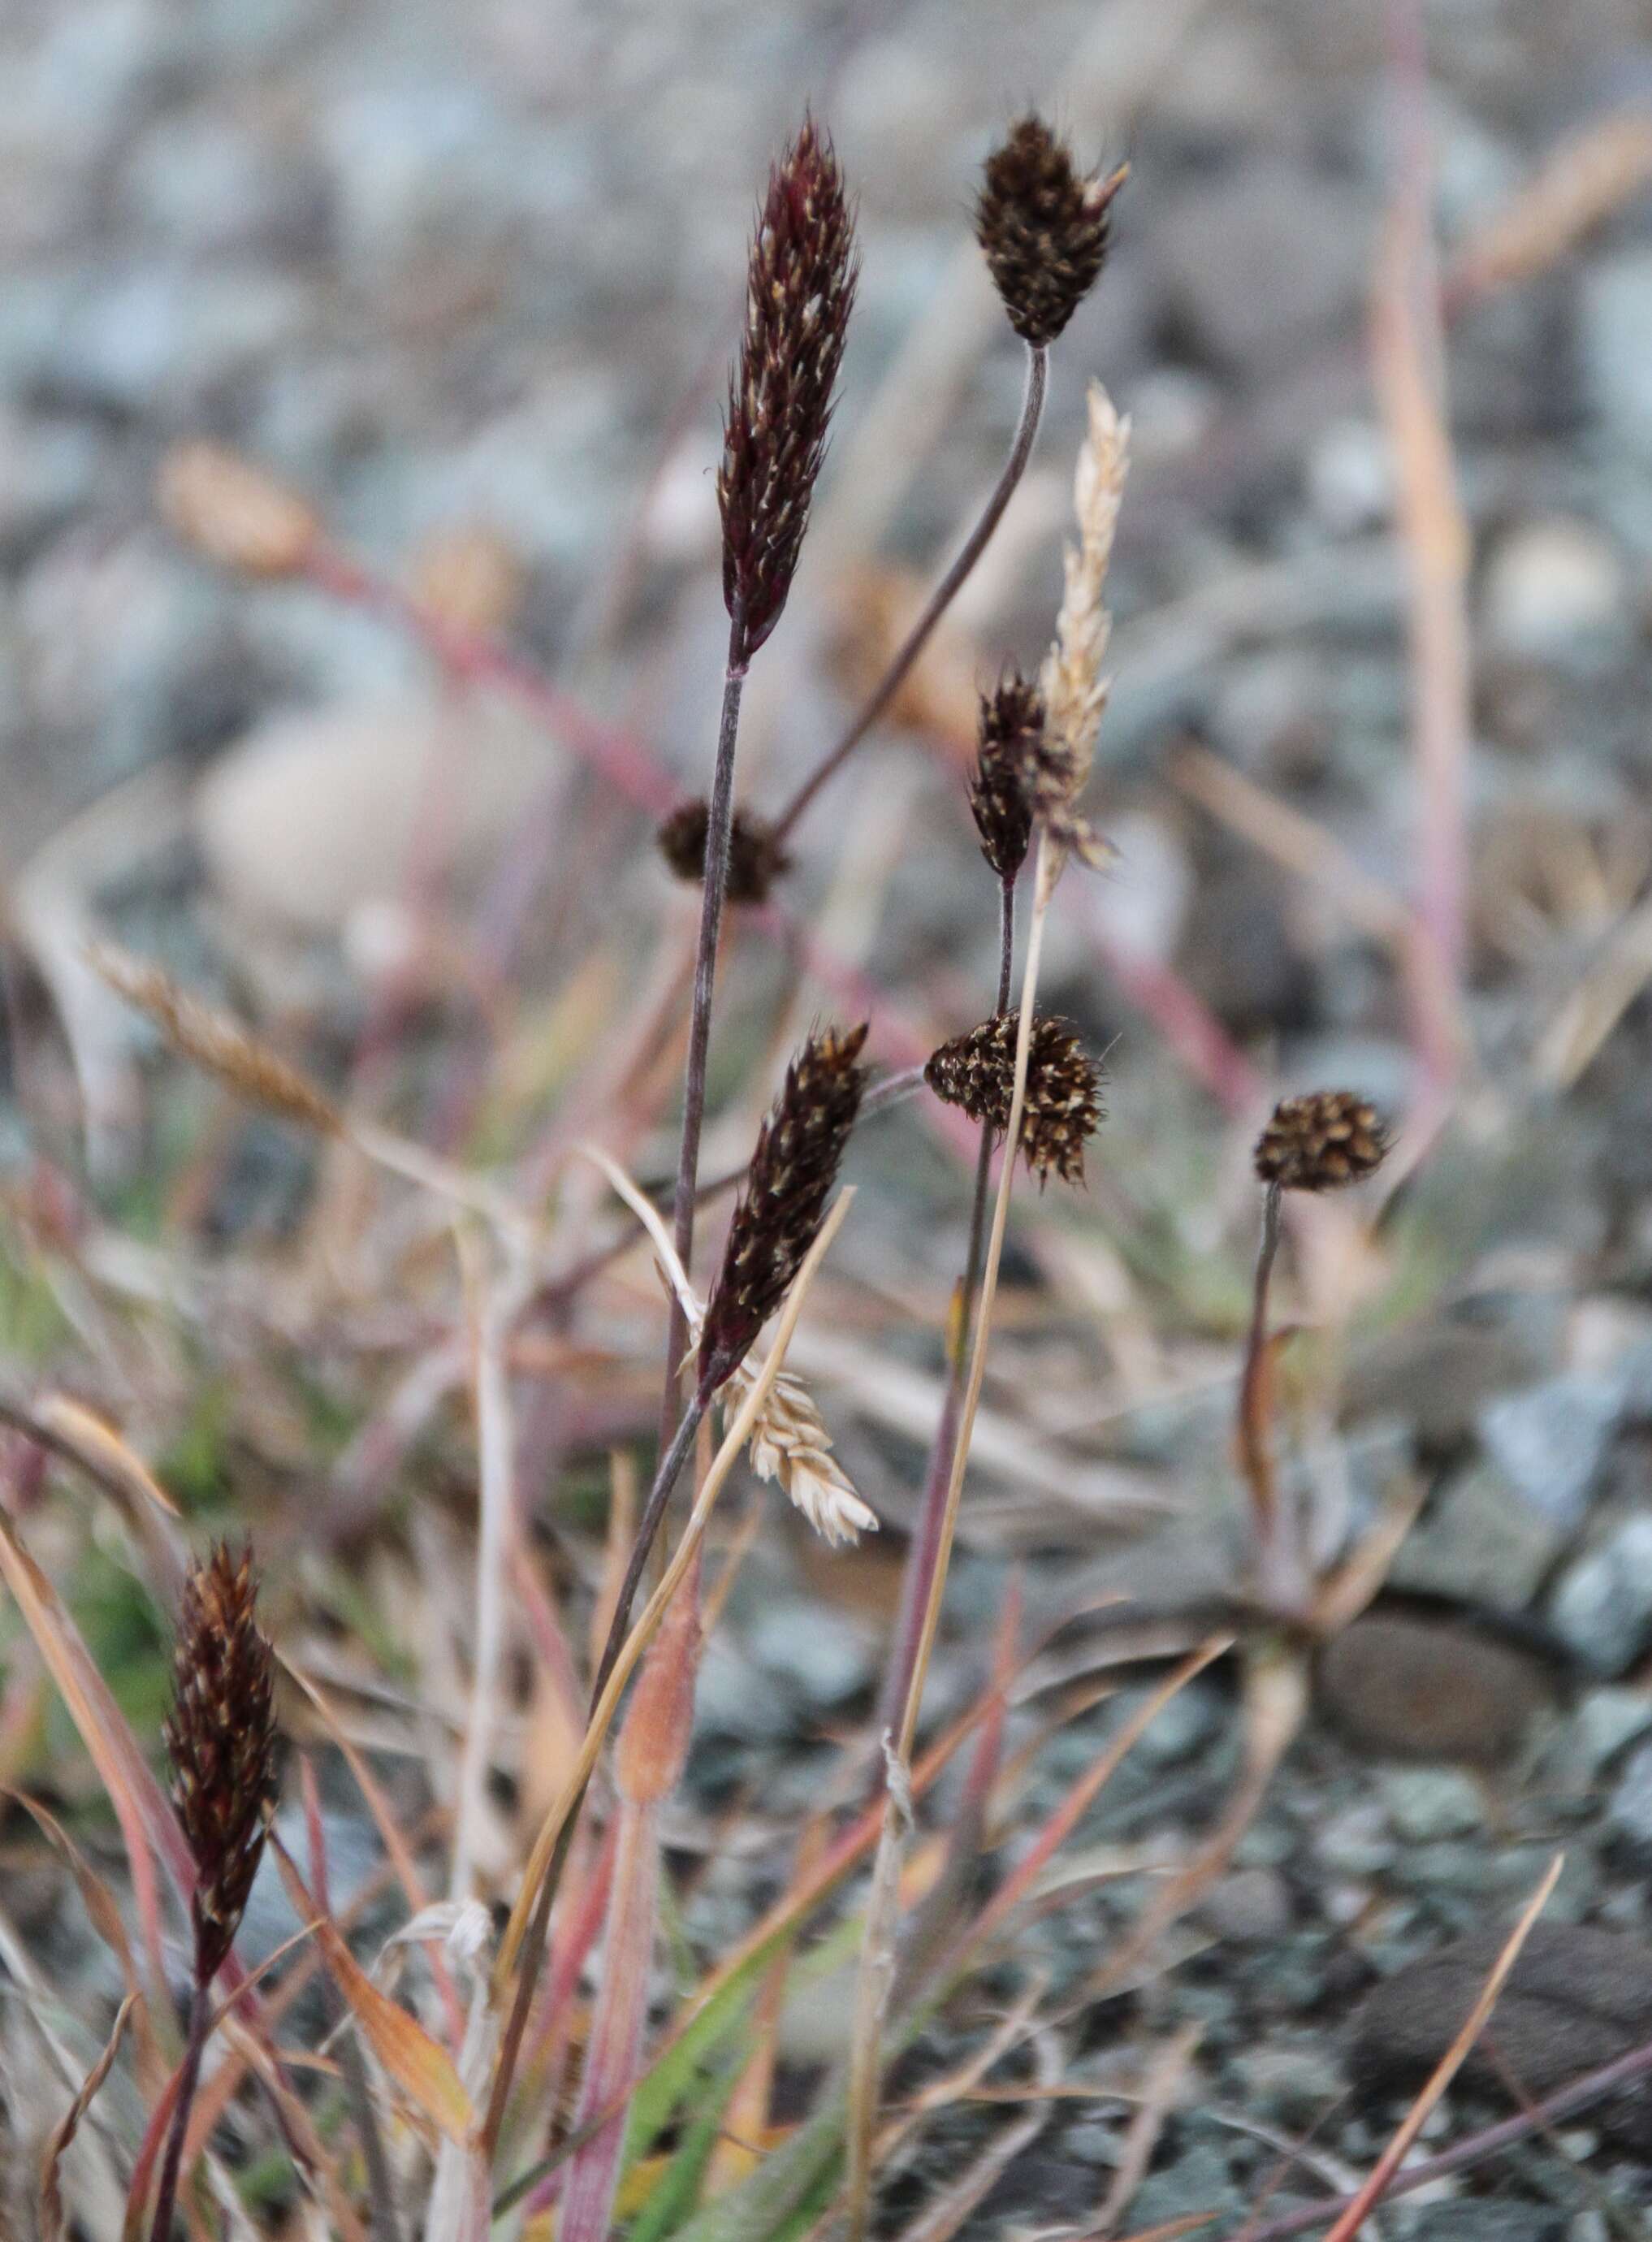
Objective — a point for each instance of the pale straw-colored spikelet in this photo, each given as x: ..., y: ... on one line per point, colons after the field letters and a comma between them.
x: 790, y: 1444
x: 1075, y: 690
x: 234, y: 511
x: 220, y: 1046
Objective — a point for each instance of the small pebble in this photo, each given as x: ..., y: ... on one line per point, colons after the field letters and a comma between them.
x: 1551, y: 585
x: 1427, y: 1802
x: 1604, y: 1604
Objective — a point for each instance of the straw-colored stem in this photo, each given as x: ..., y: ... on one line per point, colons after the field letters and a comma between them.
x: 866, y: 2054
x: 920, y: 1565
x: 665, y: 1479
x: 519, y: 1951
x: 940, y: 600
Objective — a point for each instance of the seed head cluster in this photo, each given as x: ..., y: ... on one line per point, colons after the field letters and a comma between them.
x: 1001, y: 797
x: 757, y: 859
x: 800, y: 291
x: 1063, y: 1106
x: 1322, y: 1141
x: 1043, y: 227
x: 220, y: 1739
x: 799, y: 1150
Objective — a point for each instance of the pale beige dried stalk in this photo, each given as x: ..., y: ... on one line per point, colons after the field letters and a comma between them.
x: 1075, y: 690
x: 210, y: 1040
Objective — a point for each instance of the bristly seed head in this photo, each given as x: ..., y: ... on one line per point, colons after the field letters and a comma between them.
x: 757, y: 859
x: 1043, y: 227
x: 220, y: 1739
x: 800, y: 287
x: 1063, y: 1106
x: 1001, y: 790
x: 1320, y: 1142
x: 800, y: 1148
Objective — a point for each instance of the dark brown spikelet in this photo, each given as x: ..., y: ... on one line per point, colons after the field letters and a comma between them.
x: 220, y: 1738
x: 1043, y: 226
x: 800, y: 289
x: 757, y: 859
x: 1063, y: 1107
x: 1001, y: 797
x: 1322, y: 1141
x: 800, y: 1148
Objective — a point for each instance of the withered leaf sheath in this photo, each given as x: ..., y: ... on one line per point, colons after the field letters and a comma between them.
x: 1043, y: 226
x: 799, y: 1150
x: 1063, y: 1106
x: 757, y: 859
x: 1322, y: 1141
x: 801, y: 286
x: 1000, y: 801
x: 220, y: 1739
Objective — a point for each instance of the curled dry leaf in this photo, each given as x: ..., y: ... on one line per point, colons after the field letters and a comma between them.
x: 419, y: 2066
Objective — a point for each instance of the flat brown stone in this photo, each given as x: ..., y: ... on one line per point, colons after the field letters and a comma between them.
x: 1420, y: 1688
x: 1577, y: 1998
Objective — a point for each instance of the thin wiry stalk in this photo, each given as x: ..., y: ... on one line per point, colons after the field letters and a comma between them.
x: 1278, y: 1568
x: 926, y: 1543
x: 940, y: 600
x: 665, y: 1479
x: 719, y: 821
x: 523, y: 1940
x: 866, y: 2055
x: 495, y: 1494
x: 189, y: 2078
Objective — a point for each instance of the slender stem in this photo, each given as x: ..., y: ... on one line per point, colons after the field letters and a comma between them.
x: 166, y: 2195
x: 523, y: 1946
x: 866, y: 2058
x: 921, y: 1562
x: 665, y: 1479
x: 719, y: 821
x: 940, y: 600
x: 1276, y: 1568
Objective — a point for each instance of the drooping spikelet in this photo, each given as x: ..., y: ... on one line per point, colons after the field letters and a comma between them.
x: 801, y: 286
x: 757, y: 859
x: 799, y: 1150
x: 1322, y: 1141
x: 790, y: 1444
x: 1043, y: 227
x: 1000, y: 801
x: 235, y: 512
x: 220, y: 1739
x: 1063, y: 1105
x: 219, y: 1045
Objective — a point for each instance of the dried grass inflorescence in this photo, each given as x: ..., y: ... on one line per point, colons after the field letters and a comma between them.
x: 217, y: 1044
x: 1322, y: 1141
x: 1043, y: 226
x: 220, y: 1739
x: 1001, y: 789
x: 234, y: 512
x: 1063, y: 1107
x: 1075, y: 689
x: 757, y: 859
x: 800, y: 288
x: 791, y: 1445
x: 793, y: 1170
